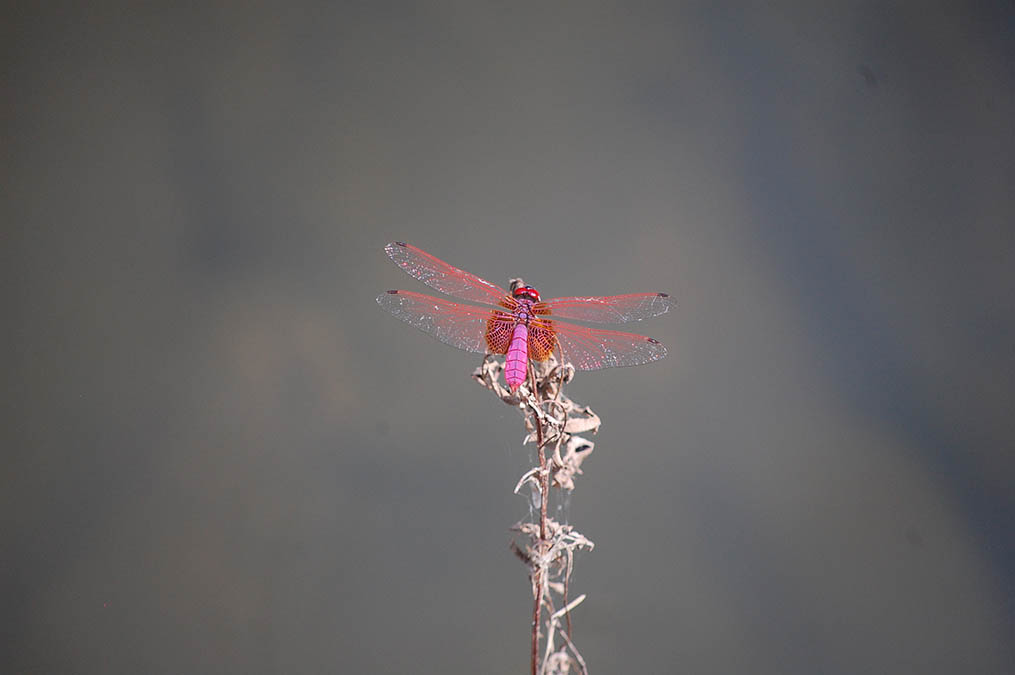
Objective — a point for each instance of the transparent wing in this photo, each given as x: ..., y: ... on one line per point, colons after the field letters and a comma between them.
x: 612, y: 308
x: 596, y: 348
x: 462, y: 326
x: 441, y: 276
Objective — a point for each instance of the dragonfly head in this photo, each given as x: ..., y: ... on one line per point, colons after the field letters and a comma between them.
x: 527, y: 293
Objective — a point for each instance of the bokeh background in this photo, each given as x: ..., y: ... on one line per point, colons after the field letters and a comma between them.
x: 219, y: 455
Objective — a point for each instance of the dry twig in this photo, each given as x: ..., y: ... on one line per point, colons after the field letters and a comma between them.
x: 551, y: 420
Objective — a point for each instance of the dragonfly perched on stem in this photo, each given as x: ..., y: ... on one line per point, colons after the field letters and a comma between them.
x: 519, y: 323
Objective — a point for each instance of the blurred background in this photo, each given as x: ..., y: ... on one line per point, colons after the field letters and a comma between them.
x: 219, y: 455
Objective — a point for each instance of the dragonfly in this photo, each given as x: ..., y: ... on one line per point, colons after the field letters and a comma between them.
x: 519, y: 324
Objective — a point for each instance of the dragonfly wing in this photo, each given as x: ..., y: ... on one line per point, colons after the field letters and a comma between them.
x: 610, y: 309
x: 596, y: 348
x: 462, y: 326
x: 443, y: 277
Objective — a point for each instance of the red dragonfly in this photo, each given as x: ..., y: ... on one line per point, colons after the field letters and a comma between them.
x: 518, y: 323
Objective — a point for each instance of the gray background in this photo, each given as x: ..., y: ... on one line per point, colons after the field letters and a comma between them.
x: 219, y: 455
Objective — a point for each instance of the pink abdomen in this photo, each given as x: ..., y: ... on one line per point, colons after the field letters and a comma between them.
x: 517, y: 356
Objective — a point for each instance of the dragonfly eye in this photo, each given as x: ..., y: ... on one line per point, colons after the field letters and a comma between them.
x: 527, y: 292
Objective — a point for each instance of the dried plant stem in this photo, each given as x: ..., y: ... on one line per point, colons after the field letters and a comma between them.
x: 540, y: 593
x: 552, y: 420
x: 544, y: 536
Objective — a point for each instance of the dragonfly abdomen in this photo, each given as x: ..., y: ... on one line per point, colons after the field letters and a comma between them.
x: 517, y: 356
